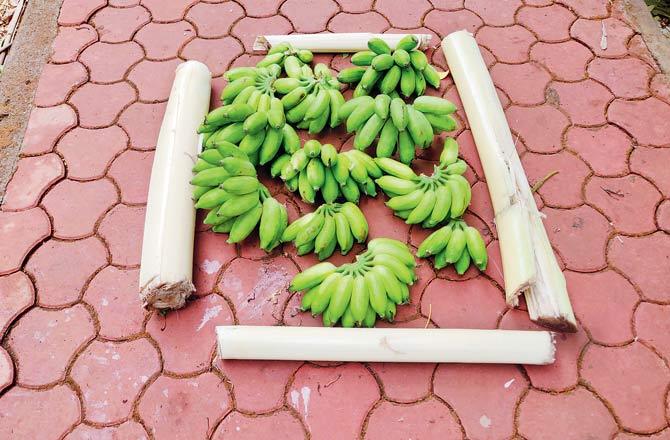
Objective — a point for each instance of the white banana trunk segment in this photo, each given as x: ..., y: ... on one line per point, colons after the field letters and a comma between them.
x: 386, y: 345
x: 529, y: 264
x: 331, y: 43
x: 166, y: 268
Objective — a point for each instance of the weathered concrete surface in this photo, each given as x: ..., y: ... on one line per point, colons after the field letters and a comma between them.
x: 29, y: 52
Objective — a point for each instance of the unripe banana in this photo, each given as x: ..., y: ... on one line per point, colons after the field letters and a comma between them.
x: 382, y: 62
x: 407, y: 82
x: 274, y: 58
x: 292, y: 184
x: 345, y: 239
x: 236, y: 166
x: 434, y: 105
x: 311, y: 230
x: 376, y: 292
x: 322, y: 297
x: 458, y: 199
x: 328, y: 155
x: 224, y: 227
x: 305, y: 248
x: 211, y: 156
x: 440, y: 260
x: 239, y: 72
x: 401, y: 57
x: 252, y: 142
x: 276, y: 116
x: 305, y: 188
x: 202, y: 165
x: 350, y: 191
x: 210, y: 177
x: 420, y: 86
x: 363, y: 58
x: 339, y: 300
x: 449, y: 153
x: 396, y: 185
x: 382, y: 103
x: 312, y: 148
x: 348, y: 107
x: 264, y: 103
x: 391, y: 79
x: 456, y: 245
x: 398, y: 111
x: 368, y: 132
x: 407, y: 201
x: 341, y: 168
x: 307, y: 298
x: 293, y: 98
x: 442, y: 206
x: 271, y: 145
x: 347, y: 319
x: 390, y: 311
x: 238, y: 204
x: 360, y: 299
x: 378, y: 46
x: 286, y: 85
x: 419, y: 127
x: 291, y: 232
x: 441, y: 123
x: 336, y: 102
x: 326, y: 235
x: 458, y: 167
x: 431, y: 75
x: 395, y: 168
x: 234, y: 88
x: 240, y: 184
x: 227, y: 149
x: 305, y: 55
x: 408, y: 42
x: 476, y: 247
x: 435, y: 242
x: 278, y: 164
x: 351, y: 75
x: 390, y: 284
x: 212, y: 198
x: 270, y: 221
x: 245, y: 224
x: 418, y: 60
x: 357, y: 169
x: 254, y: 99
x: 320, y: 104
x: 299, y: 160
x: 368, y: 81
x: 370, y: 166
x: 213, y: 218
x: 228, y: 113
x: 397, y: 268
x: 463, y: 263
x: 199, y: 191
x: 297, y: 113
x: 423, y: 209
x: 293, y: 67
x: 316, y: 174
x: 243, y: 96
x: 388, y: 138
x: 395, y: 248
x: 330, y: 190
x: 357, y: 221
x: 370, y: 318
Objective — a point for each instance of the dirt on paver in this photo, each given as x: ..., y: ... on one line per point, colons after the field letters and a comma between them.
x: 80, y: 358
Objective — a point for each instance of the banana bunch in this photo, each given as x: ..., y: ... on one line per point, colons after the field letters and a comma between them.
x: 311, y: 97
x: 399, y: 126
x: 251, y: 116
x: 283, y: 54
x: 226, y: 184
x: 331, y: 225
x: 317, y: 168
x: 405, y: 69
x: 356, y: 293
x: 457, y: 244
x: 428, y: 200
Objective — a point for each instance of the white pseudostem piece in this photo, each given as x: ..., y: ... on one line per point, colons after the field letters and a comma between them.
x: 386, y: 345
x: 343, y: 43
x: 529, y: 263
x: 167, y: 249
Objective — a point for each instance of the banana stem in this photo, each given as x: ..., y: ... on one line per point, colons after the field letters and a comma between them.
x: 529, y: 264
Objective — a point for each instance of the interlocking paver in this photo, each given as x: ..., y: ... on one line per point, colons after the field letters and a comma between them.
x: 595, y: 115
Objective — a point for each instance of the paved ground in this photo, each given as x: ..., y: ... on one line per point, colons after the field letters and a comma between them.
x: 80, y: 359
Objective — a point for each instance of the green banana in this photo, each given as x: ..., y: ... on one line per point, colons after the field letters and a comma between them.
x: 245, y: 224
x: 345, y: 239
x: 435, y: 242
x: 363, y: 58
x: 476, y: 247
x: 434, y: 105
x: 357, y: 221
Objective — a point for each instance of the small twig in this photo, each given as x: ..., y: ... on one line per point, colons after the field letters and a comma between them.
x: 542, y: 181
x: 430, y: 312
x: 612, y: 193
x: 339, y: 376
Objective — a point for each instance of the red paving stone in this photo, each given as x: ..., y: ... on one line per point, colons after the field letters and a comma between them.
x: 596, y: 116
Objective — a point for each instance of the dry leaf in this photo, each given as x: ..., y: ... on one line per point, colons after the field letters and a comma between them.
x: 444, y: 74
